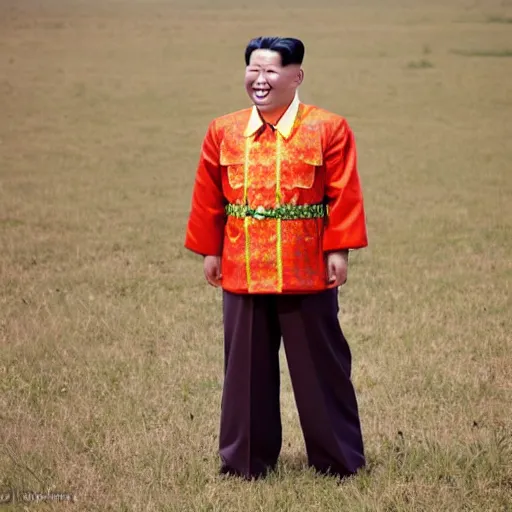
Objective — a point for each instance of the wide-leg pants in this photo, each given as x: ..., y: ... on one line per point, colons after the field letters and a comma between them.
x: 319, y: 361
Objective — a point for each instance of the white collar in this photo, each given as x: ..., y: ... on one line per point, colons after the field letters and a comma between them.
x: 285, y: 124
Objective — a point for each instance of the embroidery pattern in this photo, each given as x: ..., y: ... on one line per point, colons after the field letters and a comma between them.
x: 282, y: 212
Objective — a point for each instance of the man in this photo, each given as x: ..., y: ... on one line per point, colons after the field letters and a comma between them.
x: 276, y: 207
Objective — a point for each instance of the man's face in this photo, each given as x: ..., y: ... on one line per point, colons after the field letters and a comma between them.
x: 270, y: 85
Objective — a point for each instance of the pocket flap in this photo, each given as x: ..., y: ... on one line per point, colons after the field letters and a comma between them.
x: 309, y: 148
x: 231, y: 155
x: 315, y: 159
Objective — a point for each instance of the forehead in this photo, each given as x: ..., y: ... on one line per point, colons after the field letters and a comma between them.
x: 265, y: 58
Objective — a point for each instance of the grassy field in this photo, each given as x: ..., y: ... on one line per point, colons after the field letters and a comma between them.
x: 111, y: 342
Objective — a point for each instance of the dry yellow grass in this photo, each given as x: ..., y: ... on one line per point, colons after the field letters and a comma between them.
x: 111, y: 343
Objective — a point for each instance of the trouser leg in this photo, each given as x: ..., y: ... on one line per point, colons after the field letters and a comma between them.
x: 250, y: 431
x: 320, y: 366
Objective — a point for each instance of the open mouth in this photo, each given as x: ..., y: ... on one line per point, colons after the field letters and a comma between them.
x: 261, y: 94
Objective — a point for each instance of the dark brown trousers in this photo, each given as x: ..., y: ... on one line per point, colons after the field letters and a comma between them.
x: 319, y: 360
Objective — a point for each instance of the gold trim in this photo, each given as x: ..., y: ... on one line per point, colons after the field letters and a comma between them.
x: 278, y: 168
x: 279, y: 244
x: 279, y: 254
x: 247, y: 219
x: 246, y: 168
x: 247, y: 252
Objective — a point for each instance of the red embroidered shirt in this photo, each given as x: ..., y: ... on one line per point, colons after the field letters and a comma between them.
x: 308, y: 158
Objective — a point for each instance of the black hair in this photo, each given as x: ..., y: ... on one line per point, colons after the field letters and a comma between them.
x: 291, y: 50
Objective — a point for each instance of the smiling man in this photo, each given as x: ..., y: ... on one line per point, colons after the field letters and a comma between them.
x: 276, y: 207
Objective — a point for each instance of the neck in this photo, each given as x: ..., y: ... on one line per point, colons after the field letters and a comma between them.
x: 273, y: 116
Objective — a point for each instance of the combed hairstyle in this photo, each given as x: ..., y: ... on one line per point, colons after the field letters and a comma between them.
x: 291, y: 50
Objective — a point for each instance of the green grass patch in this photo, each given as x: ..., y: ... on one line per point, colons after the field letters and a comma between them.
x: 483, y: 53
x: 420, y: 64
x: 499, y: 19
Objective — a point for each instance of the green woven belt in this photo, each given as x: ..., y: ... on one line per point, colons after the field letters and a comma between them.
x: 284, y: 212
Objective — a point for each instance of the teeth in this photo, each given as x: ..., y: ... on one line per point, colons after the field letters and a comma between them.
x: 261, y: 93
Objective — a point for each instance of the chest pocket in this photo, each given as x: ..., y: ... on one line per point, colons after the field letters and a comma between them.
x: 300, y: 160
x: 232, y: 158
x: 300, y: 164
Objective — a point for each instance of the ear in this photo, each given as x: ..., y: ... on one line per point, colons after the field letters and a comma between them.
x: 300, y: 77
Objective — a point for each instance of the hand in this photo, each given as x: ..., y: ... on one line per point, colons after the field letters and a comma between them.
x: 337, y: 268
x: 212, y: 270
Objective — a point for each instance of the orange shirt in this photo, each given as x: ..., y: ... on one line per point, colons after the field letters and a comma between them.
x: 308, y: 158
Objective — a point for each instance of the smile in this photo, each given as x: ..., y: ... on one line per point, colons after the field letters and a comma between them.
x: 261, y: 94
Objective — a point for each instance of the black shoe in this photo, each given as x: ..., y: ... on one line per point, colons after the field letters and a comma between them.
x: 226, y: 470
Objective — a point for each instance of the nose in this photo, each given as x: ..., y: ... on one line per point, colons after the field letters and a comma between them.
x: 260, y: 80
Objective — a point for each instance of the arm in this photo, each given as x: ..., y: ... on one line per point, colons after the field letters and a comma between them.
x: 205, y: 229
x: 345, y: 226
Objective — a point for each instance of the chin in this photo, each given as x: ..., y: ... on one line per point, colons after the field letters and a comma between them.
x: 264, y: 107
